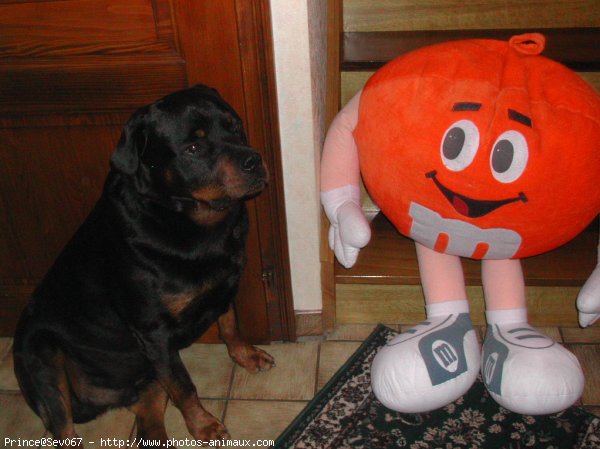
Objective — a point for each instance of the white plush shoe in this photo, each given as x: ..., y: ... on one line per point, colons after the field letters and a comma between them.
x: 527, y: 372
x: 428, y: 366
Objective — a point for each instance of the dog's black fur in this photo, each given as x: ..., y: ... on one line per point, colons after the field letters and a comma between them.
x: 157, y: 261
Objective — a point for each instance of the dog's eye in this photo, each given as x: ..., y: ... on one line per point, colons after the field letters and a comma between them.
x: 192, y: 149
x: 201, y: 133
x: 232, y: 124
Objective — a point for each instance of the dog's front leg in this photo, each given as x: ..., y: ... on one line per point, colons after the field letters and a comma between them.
x: 242, y: 353
x: 176, y: 380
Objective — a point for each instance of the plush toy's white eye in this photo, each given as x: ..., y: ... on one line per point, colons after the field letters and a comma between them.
x: 509, y: 156
x: 459, y: 145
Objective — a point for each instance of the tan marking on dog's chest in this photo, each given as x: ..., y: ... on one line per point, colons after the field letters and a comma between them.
x: 205, y: 216
x: 176, y: 303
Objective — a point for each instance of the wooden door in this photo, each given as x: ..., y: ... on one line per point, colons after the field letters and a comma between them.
x: 71, y: 73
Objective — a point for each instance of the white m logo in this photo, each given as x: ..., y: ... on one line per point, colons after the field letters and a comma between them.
x: 445, y: 355
x: 490, y: 367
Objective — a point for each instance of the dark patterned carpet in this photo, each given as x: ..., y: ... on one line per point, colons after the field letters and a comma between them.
x: 345, y: 414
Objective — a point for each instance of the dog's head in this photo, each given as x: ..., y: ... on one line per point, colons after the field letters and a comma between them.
x: 190, y: 147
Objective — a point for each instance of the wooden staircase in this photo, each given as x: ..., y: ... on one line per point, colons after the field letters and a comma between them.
x: 384, y: 285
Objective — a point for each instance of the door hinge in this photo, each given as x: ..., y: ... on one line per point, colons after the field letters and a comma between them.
x: 267, y: 275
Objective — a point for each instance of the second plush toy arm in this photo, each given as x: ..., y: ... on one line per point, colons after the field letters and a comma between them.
x: 340, y: 192
x: 588, y: 300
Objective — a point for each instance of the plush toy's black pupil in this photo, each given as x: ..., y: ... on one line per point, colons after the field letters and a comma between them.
x: 453, y: 143
x: 502, y: 156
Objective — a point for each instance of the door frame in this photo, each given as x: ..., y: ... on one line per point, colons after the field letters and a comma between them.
x: 256, y: 42
x: 259, y: 112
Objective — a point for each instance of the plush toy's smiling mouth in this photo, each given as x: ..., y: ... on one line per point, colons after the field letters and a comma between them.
x: 468, y: 206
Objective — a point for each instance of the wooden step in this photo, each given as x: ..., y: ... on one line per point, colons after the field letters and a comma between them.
x: 576, y: 48
x: 384, y: 285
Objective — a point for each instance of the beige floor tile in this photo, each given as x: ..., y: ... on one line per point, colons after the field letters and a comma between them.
x: 260, y: 420
x: 351, y: 332
x: 111, y: 430
x: 176, y: 426
x: 8, y: 381
x: 332, y: 356
x: 293, y: 378
x: 210, y: 368
x: 589, y: 358
x: 578, y: 335
x: 17, y: 420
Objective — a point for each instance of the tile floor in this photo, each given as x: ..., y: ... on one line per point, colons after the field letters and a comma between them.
x: 256, y: 406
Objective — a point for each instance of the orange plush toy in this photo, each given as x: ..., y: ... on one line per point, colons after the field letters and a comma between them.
x: 481, y: 149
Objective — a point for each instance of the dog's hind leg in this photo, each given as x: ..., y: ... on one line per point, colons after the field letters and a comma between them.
x: 150, y: 415
x: 44, y: 383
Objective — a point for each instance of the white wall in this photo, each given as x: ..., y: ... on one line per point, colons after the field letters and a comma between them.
x: 300, y: 77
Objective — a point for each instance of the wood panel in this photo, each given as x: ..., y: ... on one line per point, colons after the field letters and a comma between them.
x: 405, y: 304
x: 576, y: 48
x: 86, y: 55
x: 47, y: 190
x: 405, y: 15
x: 87, y: 84
x: 352, y: 82
x: 57, y: 28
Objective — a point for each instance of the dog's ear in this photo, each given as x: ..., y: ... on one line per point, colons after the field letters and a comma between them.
x: 131, y: 145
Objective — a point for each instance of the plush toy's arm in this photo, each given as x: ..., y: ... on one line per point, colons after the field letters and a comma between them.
x: 340, y: 194
x: 339, y: 161
x: 588, y: 300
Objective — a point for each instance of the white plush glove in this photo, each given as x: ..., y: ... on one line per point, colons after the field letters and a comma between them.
x: 588, y: 300
x: 349, y: 231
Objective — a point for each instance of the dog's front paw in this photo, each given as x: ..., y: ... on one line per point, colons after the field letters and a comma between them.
x: 251, y: 358
x: 213, y: 431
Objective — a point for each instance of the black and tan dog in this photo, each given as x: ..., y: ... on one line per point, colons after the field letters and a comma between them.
x: 157, y: 261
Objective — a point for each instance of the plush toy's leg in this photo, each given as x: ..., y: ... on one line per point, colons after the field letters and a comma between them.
x: 441, y: 274
x: 437, y: 361
x: 524, y: 371
x: 588, y: 300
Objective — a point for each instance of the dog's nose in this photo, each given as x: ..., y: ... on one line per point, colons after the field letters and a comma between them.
x: 251, y: 162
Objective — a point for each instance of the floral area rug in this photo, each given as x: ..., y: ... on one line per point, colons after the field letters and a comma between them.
x: 346, y: 414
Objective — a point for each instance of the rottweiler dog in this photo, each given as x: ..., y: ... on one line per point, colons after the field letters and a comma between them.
x: 157, y: 261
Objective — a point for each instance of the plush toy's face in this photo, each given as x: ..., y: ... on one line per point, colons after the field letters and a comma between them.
x: 476, y: 173
x: 471, y: 169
